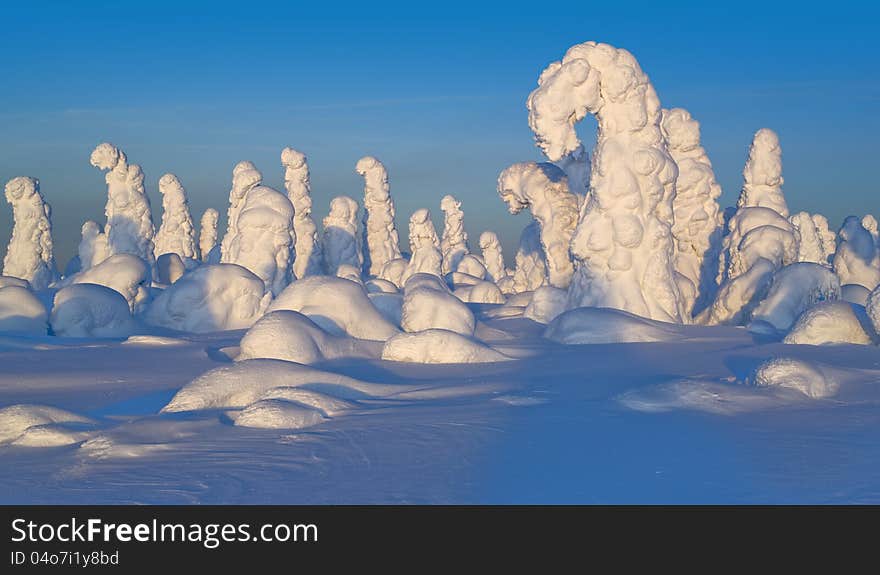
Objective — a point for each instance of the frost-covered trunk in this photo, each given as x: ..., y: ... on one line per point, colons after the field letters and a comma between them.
x: 622, y: 247
x: 341, y: 245
x: 176, y: 235
x: 29, y: 253
x: 381, y: 243
x: 296, y: 182
x: 453, y: 244
x: 208, y: 247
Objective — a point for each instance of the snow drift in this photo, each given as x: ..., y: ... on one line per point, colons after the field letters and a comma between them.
x: 21, y: 312
x: 828, y: 322
x: 90, y: 310
x: 796, y: 374
x: 439, y: 346
x: 124, y: 273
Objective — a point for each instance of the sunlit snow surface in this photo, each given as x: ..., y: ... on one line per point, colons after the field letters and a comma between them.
x: 675, y: 421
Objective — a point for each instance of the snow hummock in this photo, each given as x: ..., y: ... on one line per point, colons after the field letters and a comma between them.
x: 606, y: 325
x: 299, y: 191
x: 337, y: 305
x: 857, y: 260
x: 208, y: 248
x: 176, y: 235
x: 340, y: 243
x: 21, y: 312
x: 794, y: 289
x: 93, y: 248
x: 424, y: 246
x: 381, y: 243
x: 29, y: 254
x: 828, y: 322
x: 212, y: 297
x: 291, y: 336
x: 480, y: 291
x: 125, y: 273
x: 439, y: 346
x: 428, y: 304
x: 546, y: 304
x: 543, y: 188
x: 763, y: 174
x: 17, y: 420
x: 278, y: 414
x: 796, y: 374
x: 622, y: 247
x: 472, y: 266
x: 531, y: 265
x: 453, y: 244
x: 90, y: 310
x: 129, y: 226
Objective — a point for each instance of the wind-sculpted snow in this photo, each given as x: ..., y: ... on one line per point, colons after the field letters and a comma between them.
x: 547, y: 304
x: 33, y: 425
x: 531, y: 264
x: 424, y: 246
x: 21, y: 312
x: 340, y: 241
x: 339, y: 306
x: 697, y: 224
x: 829, y: 322
x: 124, y: 273
x: 93, y: 248
x: 794, y: 289
x: 763, y: 174
x: 208, y: 248
x: 291, y: 336
x: 29, y: 254
x: 606, y: 325
x: 622, y: 246
x: 453, y: 244
x: 129, y: 226
x: 795, y: 374
x: 90, y: 310
x: 439, y: 346
x: 428, y: 304
x: 176, y: 235
x: 212, y: 297
x: 811, y: 247
x: 296, y: 182
x: 381, y: 243
x: 245, y: 176
x: 493, y: 257
x: 543, y: 188
x: 857, y: 260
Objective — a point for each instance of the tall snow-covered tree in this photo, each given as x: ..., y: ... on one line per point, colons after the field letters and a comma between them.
x: 176, y: 234
x: 381, y: 242
x: 299, y: 191
x: 29, y: 254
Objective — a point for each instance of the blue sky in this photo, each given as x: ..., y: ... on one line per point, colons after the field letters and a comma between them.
x: 437, y: 92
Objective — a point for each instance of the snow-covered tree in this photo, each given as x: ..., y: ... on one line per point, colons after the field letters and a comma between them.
x: 424, y: 245
x: 93, y: 248
x: 869, y: 222
x: 453, y: 244
x: 493, y: 257
x: 763, y: 174
x: 176, y: 234
x: 697, y: 218
x: 129, y: 225
x: 543, y: 188
x: 340, y: 240
x: 531, y: 264
x: 576, y: 166
x: 208, y: 247
x: 240, y: 186
x: 826, y: 235
x: 29, y: 253
x: 381, y: 243
x: 857, y: 260
x: 810, y: 247
x: 622, y: 247
x: 296, y: 182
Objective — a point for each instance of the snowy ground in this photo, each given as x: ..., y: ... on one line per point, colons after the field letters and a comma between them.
x: 660, y: 422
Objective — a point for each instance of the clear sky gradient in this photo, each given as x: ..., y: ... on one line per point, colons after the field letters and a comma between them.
x: 436, y: 91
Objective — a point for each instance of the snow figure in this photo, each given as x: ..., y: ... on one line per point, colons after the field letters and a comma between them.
x: 543, y: 188
x: 208, y: 236
x: 424, y: 245
x: 493, y: 257
x: 697, y: 223
x: 622, y: 246
x: 263, y: 240
x: 29, y: 254
x: 129, y: 225
x: 811, y: 247
x: 176, y: 235
x: 531, y: 265
x: 380, y: 235
x: 453, y: 245
x: 576, y: 166
x: 240, y: 187
x: 296, y: 182
x: 857, y: 260
x: 763, y: 174
x: 93, y: 248
x: 340, y: 241
x: 826, y: 235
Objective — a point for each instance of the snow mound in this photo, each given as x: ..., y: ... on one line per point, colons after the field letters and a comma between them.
x: 390, y: 305
x: 606, y: 325
x: 546, y: 304
x: 855, y: 293
x: 326, y: 404
x: 472, y: 266
x: 210, y: 298
x: 796, y: 374
x: 338, y: 305
x: 125, y: 273
x: 169, y: 268
x: 350, y: 273
x: 6, y: 281
x: 21, y: 312
x: 90, y: 310
x: 277, y: 414
x: 291, y: 336
x: 827, y: 323
x: 17, y: 420
x: 795, y: 288
x: 428, y: 304
x: 439, y: 346
x: 480, y: 292
x: 378, y: 285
